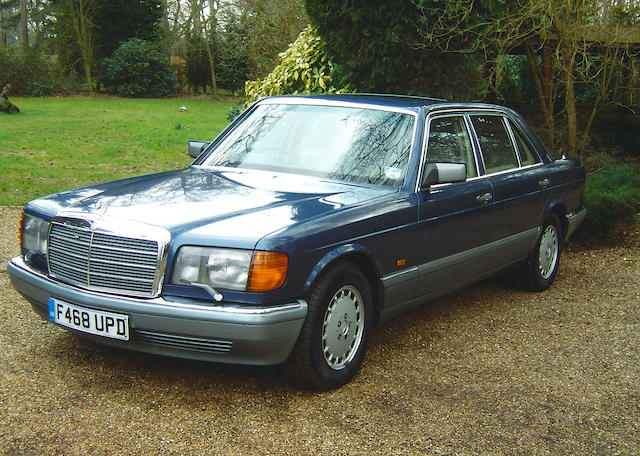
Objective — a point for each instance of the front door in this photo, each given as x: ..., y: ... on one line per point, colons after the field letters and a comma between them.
x: 455, y: 219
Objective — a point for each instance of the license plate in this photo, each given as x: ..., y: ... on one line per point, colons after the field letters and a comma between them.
x: 104, y: 324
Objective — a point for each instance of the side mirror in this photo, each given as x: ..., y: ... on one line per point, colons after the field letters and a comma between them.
x: 443, y: 173
x: 196, y: 148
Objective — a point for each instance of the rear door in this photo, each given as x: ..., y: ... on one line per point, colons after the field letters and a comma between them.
x: 519, y: 180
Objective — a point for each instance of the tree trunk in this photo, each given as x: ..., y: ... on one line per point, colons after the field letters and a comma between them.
x: 3, y: 34
x: 213, y: 10
x: 488, y: 73
x: 214, y: 83
x: 81, y: 18
x: 544, y: 88
x: 570, y: 101
x: 23, y: 25
x: 548, y: 71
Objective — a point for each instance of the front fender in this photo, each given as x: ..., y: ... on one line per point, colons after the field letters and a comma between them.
x: 343, y: 251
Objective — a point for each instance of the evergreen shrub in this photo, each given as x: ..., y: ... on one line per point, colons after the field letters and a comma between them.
x: 138, y: 69
x: 612, y: 198
x: 30, y: 74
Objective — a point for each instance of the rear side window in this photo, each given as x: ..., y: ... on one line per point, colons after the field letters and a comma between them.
x: 527, y: 153
x: 496, y: 146
x: 449, y: 142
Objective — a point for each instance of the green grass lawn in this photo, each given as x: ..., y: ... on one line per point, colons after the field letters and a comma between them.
x: 60, y: 143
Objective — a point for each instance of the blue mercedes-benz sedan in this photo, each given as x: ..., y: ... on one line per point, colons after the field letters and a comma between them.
x: 302, y: 225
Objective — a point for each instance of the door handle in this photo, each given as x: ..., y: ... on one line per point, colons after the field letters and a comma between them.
x: 543, y: 183
x: 484, y: 198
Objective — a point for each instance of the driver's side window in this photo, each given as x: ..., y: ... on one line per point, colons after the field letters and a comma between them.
x: 449, y: 142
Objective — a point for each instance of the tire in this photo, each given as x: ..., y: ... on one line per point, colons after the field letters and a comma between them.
x: 542, y: 265
x: 335, y: 333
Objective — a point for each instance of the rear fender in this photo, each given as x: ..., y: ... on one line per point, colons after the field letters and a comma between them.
x: 557, y: 207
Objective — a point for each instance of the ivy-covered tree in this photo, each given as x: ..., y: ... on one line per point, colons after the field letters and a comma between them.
x: 373, y: 46
x: 303, y: 69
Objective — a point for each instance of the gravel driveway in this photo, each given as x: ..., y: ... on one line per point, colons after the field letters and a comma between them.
x: 488, y: 370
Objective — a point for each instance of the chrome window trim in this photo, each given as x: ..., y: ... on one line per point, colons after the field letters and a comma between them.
x: 512, y: 125
x: 336, y: 104
x: 484, y: 176
x: 512, y: 170
x: 476, y: 143
x: 466, y: 108
x: 456, y: 110
x: 425, y: 142
x: 512, y: 138
x: 505, y: 125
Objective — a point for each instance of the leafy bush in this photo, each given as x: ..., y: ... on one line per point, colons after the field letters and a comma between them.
x: 304, y: 68
x: 30, y: 74
x: 138, y: 69
x: 612, y: 197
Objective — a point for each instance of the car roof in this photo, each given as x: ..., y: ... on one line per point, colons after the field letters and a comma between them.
x: 413, y: 103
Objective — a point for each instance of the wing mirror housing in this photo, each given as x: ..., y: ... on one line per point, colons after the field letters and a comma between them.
x: 443, y: 173
x: 196, y: 148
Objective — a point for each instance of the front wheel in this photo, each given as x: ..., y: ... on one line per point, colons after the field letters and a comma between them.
x: 542, y: 265
x: 335, y: 334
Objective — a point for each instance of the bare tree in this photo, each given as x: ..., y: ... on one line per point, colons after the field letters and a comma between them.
x: 210, y: 31
x: 201, y: 22
x: 172, y: 22
x: 567, y: 43
x: 3, y: 32
x: 81, y: 13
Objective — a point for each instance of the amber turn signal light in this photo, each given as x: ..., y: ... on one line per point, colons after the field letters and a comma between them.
x: 268, y: 271
x: 20, y: 228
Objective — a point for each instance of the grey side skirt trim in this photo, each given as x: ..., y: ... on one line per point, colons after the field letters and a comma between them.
x: 529, y: 235
x: 574, y: 219
x: 444, y: 275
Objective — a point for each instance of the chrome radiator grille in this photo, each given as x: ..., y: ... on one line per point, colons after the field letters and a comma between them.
x: 103, y: 261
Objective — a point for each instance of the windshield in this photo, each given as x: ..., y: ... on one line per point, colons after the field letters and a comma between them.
x: 344, y: 143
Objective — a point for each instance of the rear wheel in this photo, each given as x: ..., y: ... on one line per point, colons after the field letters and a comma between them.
x: 335, y: 334
x: 542, y: 265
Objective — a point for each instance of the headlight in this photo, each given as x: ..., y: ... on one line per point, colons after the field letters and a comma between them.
x: 33, y: 236
x: 230, y: 269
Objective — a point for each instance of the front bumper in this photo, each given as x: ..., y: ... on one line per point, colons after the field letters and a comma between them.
x: 223, y: 332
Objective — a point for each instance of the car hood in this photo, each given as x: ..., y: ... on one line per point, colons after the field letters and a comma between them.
x: 218, y: 204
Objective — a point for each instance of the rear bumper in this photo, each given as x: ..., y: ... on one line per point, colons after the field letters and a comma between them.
x: 574, y: 219
x: 223, y: 332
